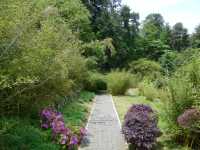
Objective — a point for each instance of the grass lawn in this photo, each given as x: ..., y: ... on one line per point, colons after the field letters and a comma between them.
x: 25, y: 133
x: 76, y: 113
x: 123, y: 103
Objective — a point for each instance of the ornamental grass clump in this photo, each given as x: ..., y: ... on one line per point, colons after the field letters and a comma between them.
x: 61, y: 134
x: 119, y: 81
x: 140, y: 127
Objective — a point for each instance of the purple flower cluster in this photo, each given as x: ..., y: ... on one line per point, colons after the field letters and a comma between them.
x: 140, y: 127
x: 50, y: 118
x: 188, y: 118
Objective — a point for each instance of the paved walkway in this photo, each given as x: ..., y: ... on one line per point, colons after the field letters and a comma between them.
x: 104, y: 130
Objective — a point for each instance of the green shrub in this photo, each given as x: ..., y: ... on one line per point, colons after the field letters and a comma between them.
x: 168, y: 61
x: 99, y: 52
x: 119, y: 81
x: 95, y: 82
x: 86, y: 96
x: 18, y: 134
x: 189, y: 55
x: 183, y: 95
x: 148, y: 90
x: 100, y: 85
x: 176, y: 103
x: 146, y: 68
x: 160, y: 82
x: 41, y: 56
x: 171, y: 60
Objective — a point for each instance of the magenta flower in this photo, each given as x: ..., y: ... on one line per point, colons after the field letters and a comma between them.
x: 188, y: 117
x: 63, y: 139
x: 59, y: 117
x: 45, y: 126
x: 66, y: 131
x: 83, y: 131
x: 58, y: 126
x: 50, y: 118
x: 48, y: 114
x: 74, y: 140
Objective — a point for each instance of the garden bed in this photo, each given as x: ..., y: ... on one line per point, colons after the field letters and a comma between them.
x: 123, y: 103
x: 25, y: 133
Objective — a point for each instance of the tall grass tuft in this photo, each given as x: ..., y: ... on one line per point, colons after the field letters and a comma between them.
x: 120, y: 81
x: 183, y: 95
x: 148, y: 90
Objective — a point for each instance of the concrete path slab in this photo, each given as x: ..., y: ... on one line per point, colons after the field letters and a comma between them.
x: 104, y: 128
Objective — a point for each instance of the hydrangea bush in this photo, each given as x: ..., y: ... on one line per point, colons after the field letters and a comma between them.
x: 140, y: 127
x: 189, y: 118
x: 61, y: 134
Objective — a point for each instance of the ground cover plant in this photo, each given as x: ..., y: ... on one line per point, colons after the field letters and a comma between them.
x: 50, y: 118
x: 26, y: 133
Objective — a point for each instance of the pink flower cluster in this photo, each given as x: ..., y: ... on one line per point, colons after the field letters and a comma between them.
x: 50, y: 118
x: 189, y: 117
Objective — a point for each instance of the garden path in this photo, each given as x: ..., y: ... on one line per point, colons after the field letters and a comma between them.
x: 104, y: 128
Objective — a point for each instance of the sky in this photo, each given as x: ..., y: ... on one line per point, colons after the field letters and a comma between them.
x: 173, y: 11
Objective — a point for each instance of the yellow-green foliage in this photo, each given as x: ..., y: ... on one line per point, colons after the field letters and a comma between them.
x: 119, y: 81
x: 40, y: 52
x: 183, y: 93
x: 148, y: 90
x: 146, y: 68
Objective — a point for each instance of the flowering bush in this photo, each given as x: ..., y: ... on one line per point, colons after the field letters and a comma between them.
x: 50, y: 118
x: 140, y: 127
x: 189, y: 118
